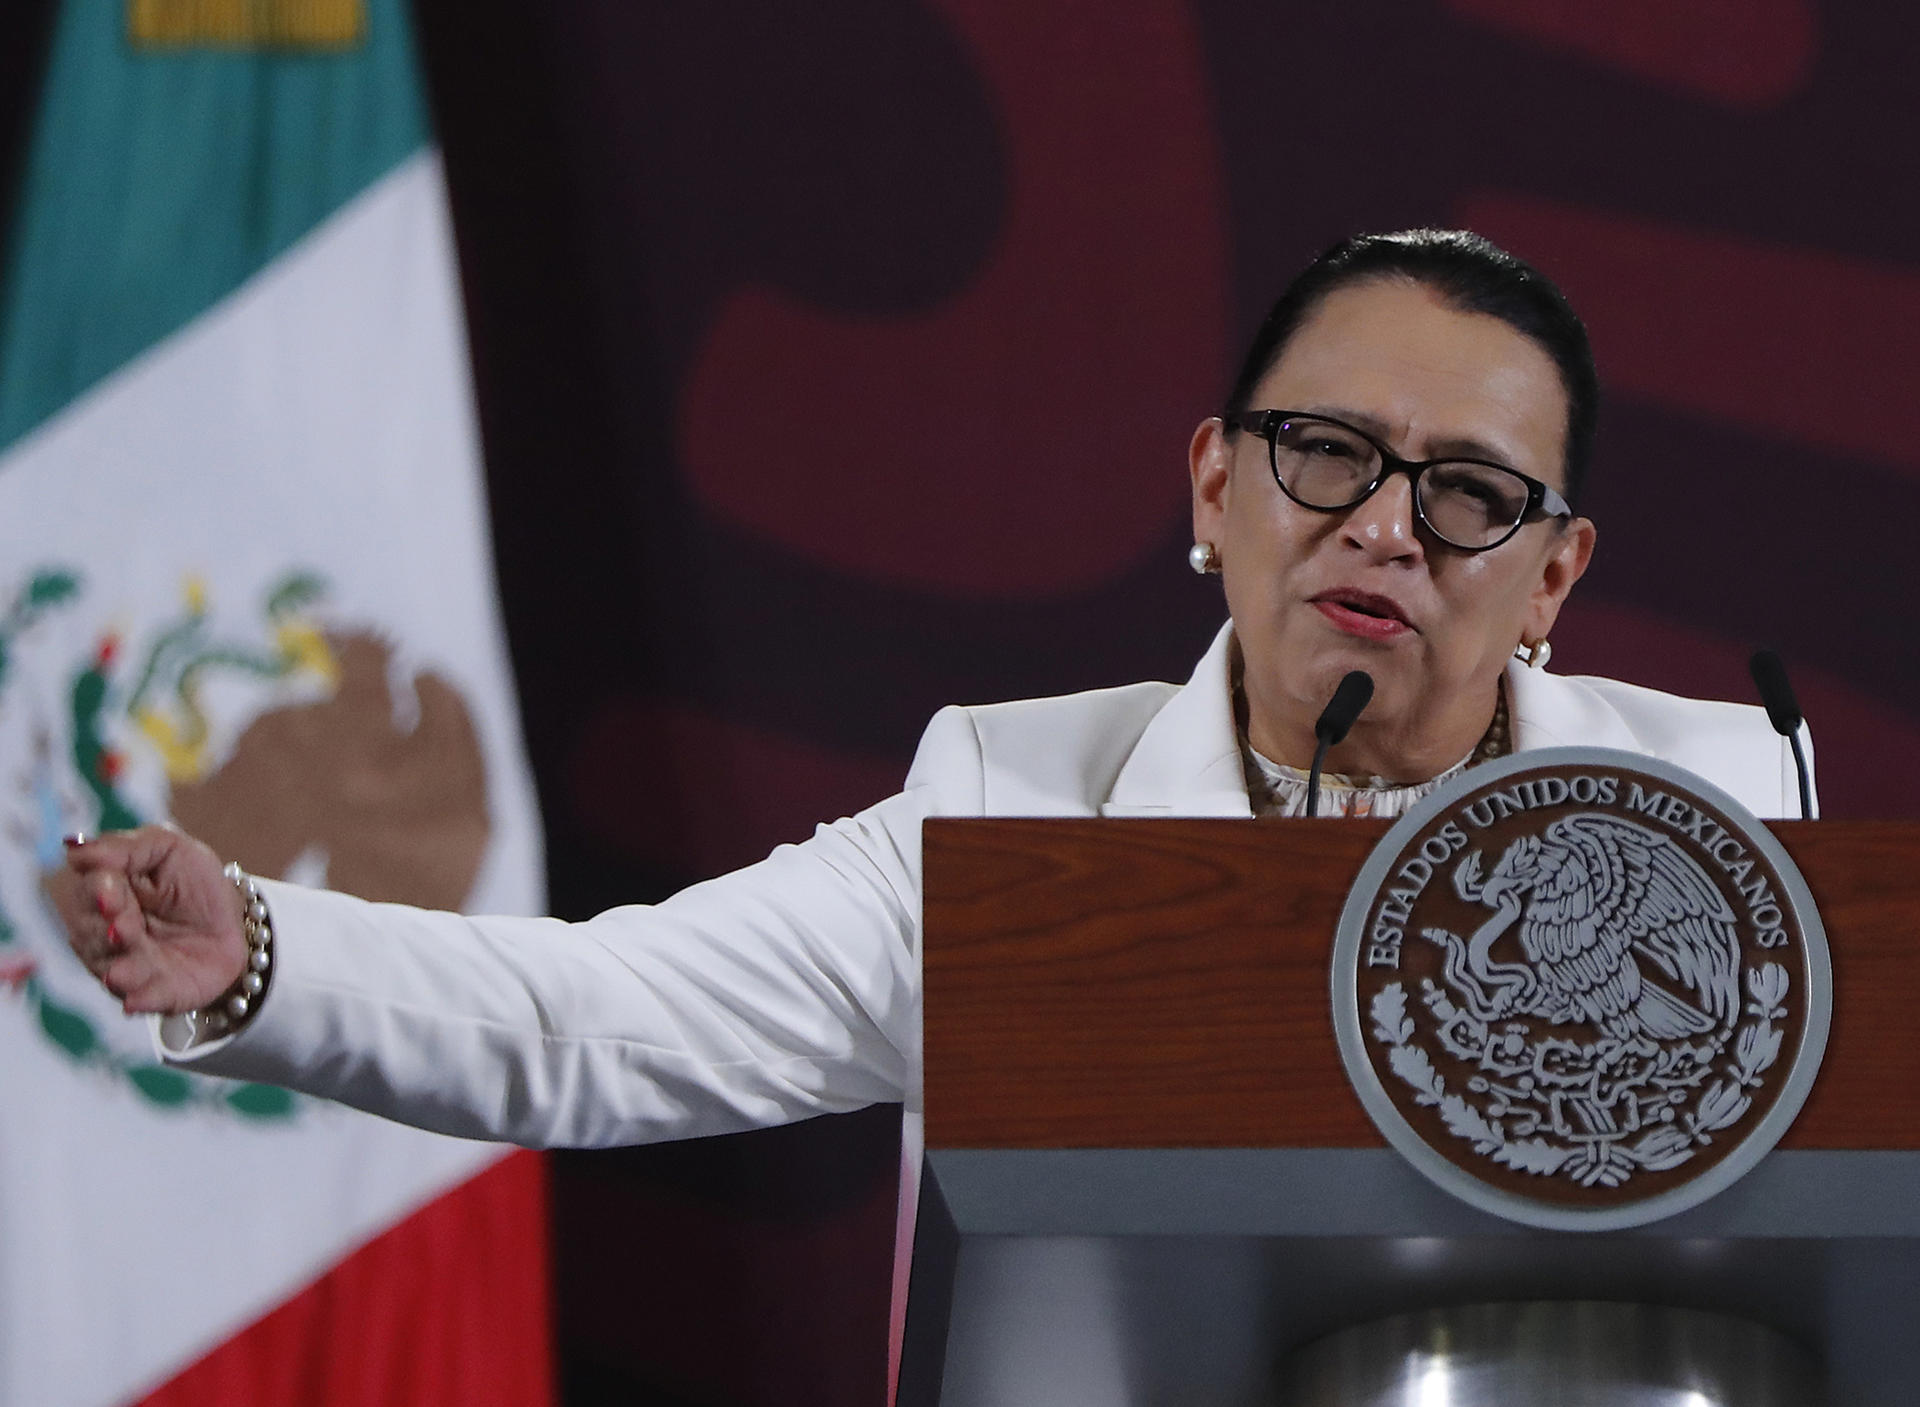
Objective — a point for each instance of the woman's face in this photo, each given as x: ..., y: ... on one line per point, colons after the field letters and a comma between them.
x: 1314, y: 595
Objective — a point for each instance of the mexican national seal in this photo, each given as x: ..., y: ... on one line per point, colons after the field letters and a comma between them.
x: 1581, y: 988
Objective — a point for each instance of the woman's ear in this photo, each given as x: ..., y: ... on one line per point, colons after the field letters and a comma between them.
x: 1210, y: 466
x: 1565, y: 565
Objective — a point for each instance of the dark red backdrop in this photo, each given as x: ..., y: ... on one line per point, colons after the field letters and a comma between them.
x: 836, y: 362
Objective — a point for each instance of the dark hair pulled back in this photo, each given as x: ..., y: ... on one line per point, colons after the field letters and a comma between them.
x: 1472, y: 274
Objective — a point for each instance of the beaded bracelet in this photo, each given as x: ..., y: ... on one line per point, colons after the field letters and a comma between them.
x: 230, y: 1009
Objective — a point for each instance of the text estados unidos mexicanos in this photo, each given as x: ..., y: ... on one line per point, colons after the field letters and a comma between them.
x: 1682, y: 817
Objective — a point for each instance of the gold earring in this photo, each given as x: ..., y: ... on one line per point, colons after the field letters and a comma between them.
x: 1536, y: 655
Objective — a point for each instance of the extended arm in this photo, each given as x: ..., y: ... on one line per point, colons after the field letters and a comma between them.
x: 784, y: 990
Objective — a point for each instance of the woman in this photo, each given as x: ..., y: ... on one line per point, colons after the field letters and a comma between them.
x: 1390, y: 488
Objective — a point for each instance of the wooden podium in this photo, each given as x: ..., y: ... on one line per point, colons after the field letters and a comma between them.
x: 1142, y: 1146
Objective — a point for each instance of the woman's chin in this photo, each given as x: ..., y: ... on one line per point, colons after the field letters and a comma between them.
x: 1395, y: 677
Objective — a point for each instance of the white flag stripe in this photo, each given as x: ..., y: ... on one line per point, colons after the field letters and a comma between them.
x: 318, y: 418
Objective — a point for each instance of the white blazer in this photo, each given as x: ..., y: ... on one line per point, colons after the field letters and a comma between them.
x: 792, y: 987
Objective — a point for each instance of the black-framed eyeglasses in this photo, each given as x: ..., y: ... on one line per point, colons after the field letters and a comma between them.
x: 1328, y: 465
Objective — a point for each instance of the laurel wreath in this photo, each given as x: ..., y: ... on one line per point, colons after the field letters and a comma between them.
x: 1607, y: 1163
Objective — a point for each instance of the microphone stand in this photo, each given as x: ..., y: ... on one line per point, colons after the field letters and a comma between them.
x: 1349, y: 697
x: 1783, y: 711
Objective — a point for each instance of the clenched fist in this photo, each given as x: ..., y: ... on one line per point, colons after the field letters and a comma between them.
x: 153, y: 917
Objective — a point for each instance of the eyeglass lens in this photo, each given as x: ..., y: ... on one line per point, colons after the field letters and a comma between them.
x: 1327, y: 465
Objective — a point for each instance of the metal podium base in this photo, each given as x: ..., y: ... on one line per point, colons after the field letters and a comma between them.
x: 1553, y: 1354
x: 1136, y: 1278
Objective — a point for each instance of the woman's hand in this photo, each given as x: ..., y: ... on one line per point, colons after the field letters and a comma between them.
x: 153, y: 917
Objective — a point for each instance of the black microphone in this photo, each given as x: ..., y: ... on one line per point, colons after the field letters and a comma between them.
x: 1783, y: 711
x: 1348, y: 699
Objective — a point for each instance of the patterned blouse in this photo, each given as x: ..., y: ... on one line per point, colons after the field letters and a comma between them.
x: 1276, y: 789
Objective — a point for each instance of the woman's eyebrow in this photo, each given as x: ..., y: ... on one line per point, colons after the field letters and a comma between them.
x: 1359, y: 419
x: 1448, y: 447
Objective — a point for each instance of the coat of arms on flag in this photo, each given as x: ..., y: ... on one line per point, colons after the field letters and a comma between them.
x: 296, y: 747
x: 245, y: 585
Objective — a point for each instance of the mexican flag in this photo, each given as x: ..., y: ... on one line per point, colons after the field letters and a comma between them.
x: 245, y: 583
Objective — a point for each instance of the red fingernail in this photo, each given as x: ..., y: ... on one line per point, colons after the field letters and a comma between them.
x: 113, y: 935
x: 74, y: 840
x: 100, y: 903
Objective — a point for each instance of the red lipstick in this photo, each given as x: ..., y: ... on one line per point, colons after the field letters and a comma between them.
x: 1362, y: 613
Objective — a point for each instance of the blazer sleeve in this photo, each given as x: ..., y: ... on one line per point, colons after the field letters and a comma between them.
x: 780, y: 991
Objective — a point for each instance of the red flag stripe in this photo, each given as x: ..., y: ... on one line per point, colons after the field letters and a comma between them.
x: 453, y: 1305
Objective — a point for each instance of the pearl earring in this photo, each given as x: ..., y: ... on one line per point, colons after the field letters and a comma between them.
x: 1535, y: 655
x: 1202, y: 558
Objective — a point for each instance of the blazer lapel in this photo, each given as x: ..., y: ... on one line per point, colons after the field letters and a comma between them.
x: 1187, y: 762
x: 1550, y: 711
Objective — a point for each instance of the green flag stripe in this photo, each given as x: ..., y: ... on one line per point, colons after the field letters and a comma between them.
x: 158, y: 181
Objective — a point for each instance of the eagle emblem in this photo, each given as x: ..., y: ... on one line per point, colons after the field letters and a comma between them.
x: 1602, y: 904
x: 1577, y: 987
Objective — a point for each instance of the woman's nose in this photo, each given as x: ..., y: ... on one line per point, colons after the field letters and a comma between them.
x: 1384, y: 525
